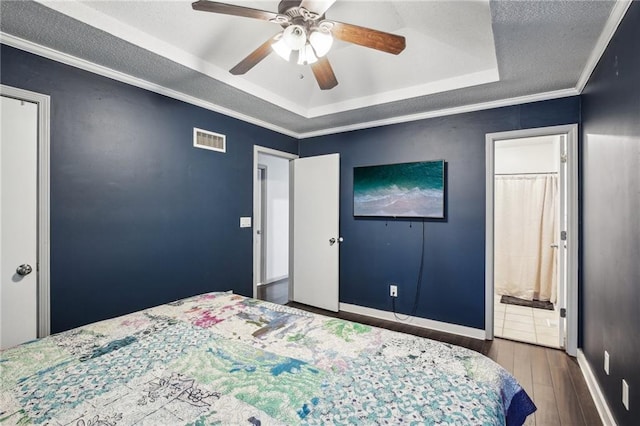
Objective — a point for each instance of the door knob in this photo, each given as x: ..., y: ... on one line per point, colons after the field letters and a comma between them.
x: 332, y: 241
x: 24, y: 269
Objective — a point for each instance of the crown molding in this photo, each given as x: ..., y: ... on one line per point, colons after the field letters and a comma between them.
x: 83, y: 64
x: 67, y: 59
x: 619, y: 10
x: 617, y: 13
x: 564, y: 93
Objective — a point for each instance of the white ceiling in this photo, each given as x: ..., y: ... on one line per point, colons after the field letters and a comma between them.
x: 460, y: 55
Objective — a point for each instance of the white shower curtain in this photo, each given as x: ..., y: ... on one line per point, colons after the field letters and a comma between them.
x: 525, y: 229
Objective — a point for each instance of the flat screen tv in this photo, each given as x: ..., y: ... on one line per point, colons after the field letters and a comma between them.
x: 411, y: 190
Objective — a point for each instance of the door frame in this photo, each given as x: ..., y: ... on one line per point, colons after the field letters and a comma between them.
x: 257, y: 149
x: 571, y: 132
x: 43, y: 267
x: 261, y: 272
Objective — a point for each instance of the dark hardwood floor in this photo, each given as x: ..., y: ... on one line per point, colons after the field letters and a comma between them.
x: 551, y: 378
x: 276, y: 292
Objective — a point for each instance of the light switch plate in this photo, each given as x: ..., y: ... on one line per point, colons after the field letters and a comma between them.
x: 245, y: 222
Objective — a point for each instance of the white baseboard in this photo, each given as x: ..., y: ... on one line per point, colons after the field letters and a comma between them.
x: 460, y: 330
x: 596, y: 392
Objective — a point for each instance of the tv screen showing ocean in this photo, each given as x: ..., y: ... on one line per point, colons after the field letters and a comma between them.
x: 399, y: 190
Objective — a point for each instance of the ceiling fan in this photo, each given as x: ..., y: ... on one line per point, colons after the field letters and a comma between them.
x: 306, y: 36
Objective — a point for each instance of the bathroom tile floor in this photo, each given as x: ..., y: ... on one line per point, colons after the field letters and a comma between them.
x: 524, y: 324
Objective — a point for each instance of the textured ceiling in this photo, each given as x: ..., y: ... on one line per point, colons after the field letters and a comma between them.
x: 435, y: 59
x: 540, y: 48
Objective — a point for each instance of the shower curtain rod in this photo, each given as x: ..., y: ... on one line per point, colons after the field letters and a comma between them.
x: 532, y: 173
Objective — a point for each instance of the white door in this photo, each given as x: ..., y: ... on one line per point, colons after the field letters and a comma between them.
x: 18, y: 249
x: 315, y: 252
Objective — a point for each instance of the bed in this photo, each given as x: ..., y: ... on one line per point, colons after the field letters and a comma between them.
x: 220, y: 358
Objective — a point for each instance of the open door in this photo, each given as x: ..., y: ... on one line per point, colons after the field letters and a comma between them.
x: 315, y: 229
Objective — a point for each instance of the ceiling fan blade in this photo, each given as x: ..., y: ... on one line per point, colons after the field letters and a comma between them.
x: 230, y: 9
x: 368, y: 37
x: 324, y: 74
x: 254, y: 57
x: 317, y: 6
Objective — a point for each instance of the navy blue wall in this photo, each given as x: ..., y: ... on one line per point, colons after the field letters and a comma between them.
x: 611, y: 218
x: 138, y: 216
x: 377, y: 252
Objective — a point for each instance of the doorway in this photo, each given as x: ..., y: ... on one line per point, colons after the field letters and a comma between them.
x: 312, y: 241
x: 532, y: 236
x: 271, y: 224
x: 24, y: 183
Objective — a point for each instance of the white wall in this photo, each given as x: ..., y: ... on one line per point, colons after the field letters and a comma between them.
x: 277, y: 215
x: 527, y: 155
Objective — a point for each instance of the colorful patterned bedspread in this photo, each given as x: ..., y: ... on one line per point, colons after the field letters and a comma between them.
x: 225, y: 359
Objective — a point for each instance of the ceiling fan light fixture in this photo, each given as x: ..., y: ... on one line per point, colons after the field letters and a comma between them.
x: 295, y: 36
x: 306, y: 35
x: 306, y: 55
x: 321, y: 42
x: 282, y: 49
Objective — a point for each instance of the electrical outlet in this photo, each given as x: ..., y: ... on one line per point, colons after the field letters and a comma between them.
x: 606, y: 362
x: 393, y: 290
x: 625, y: 394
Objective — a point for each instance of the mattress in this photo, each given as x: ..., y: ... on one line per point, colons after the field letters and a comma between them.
x: 220, y: 358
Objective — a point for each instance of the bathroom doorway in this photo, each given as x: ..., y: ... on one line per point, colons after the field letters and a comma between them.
x: 529, y: 188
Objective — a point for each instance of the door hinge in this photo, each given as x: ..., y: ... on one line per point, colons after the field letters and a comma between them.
x: 563, y: 312
x: 563, y: 235
x: 563, y: 158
